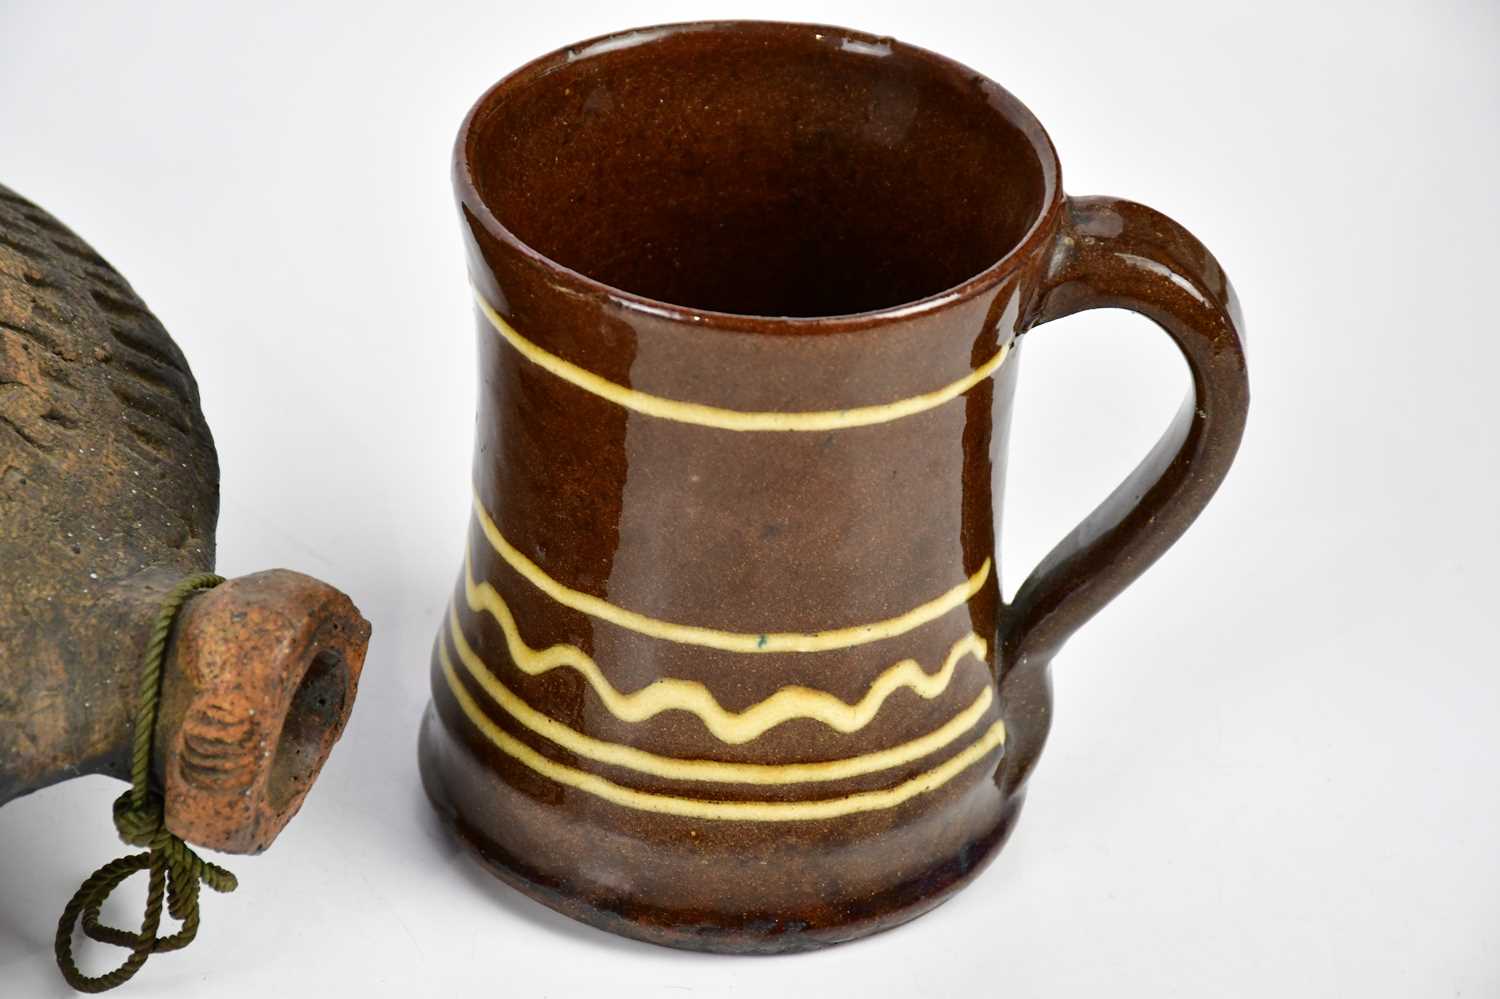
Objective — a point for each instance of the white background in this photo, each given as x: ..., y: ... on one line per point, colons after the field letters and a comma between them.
x: 1276, y: 762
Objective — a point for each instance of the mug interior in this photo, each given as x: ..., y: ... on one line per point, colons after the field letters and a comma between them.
x: 760, y: 169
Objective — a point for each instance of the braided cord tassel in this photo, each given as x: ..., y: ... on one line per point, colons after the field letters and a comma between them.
x: 174, y: 872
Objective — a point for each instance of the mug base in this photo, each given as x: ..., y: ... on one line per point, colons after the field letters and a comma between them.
x: 750, y: 933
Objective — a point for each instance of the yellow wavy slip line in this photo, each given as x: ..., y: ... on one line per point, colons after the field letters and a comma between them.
x: 713, y: 638
x: 716, y: 771
x: 686, y: 695
x: 719, y: 418
x: 744, y: 811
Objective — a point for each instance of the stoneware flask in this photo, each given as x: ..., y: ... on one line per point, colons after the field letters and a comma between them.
x: 727, y: 665
x: 109, y: 495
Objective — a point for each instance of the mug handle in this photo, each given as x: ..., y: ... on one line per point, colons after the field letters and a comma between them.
x: 1111, y: 253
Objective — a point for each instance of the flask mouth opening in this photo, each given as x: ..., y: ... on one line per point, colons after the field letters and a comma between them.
x: 260, y: 681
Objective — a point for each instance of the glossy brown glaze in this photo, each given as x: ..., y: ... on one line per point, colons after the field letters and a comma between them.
x: 727, y: 665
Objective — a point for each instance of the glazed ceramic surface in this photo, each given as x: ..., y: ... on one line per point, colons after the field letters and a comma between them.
x: 727, y: 665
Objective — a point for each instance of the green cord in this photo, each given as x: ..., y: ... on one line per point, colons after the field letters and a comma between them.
x: 172, y: 867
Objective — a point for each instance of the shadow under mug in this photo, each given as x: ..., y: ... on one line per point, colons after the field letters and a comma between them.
x: 727, y: 666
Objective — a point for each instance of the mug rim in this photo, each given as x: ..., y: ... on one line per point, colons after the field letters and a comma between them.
x: 600, y: 46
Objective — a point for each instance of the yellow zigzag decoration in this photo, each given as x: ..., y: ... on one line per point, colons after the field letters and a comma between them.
x: 733, y: 419
x: 743, y: 811
x: 687, y: 695
x: 675, y: 768
x: 713, y: 638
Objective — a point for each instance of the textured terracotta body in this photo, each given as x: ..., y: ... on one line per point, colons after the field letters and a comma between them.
x: 108, y: 497
x: 727, y: 666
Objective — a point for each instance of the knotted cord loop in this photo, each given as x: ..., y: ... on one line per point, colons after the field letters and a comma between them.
x: 174, y: 872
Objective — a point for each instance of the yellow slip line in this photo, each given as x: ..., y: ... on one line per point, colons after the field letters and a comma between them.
x: 674, y: 768
x: 687, y: 695
x: 713, y: 638
x: 744, y: 811
x: 719, y: 418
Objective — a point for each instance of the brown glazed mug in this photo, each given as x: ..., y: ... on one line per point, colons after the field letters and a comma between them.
x: 727, y: 665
